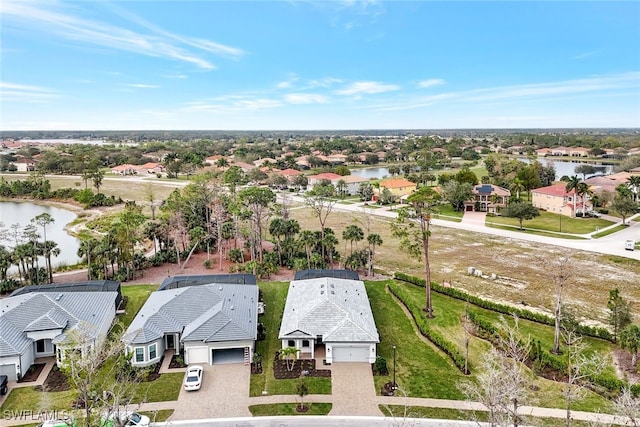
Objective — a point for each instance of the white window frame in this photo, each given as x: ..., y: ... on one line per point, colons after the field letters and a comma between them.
x: 155, y: 350
x: 136, y: 354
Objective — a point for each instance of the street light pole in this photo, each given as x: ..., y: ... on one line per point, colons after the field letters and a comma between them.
x: 395, y: 386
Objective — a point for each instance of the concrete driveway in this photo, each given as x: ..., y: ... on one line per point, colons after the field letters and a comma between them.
x: 353, y: 390
x: 224, y: 393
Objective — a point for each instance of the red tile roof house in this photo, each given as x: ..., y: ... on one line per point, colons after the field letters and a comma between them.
x: 555, y: 198
x: 151, y: 168
x: 290, y: 174
x: 579, y: 152
x: 125, y: 169
x: 352, y: 183
x: 213, y: 160
x: 487, y: 198
x: 542, y: 152
x: 317, y: 179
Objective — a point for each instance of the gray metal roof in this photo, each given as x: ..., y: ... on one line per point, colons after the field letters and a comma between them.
x: 337, y: 309
x: 206, y: 313
x: 41, y: 311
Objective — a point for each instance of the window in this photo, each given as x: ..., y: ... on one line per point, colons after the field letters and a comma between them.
x: 139, y: 354
x: 305, y: 343
x: 152, y: 351
x: 291, y: 343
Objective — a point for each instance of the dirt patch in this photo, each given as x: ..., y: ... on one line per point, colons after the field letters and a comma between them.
x: 281, y: 371
x: 33, y: 373
x: 56, y: 381
x: 177, y: 361
x: 624, y: 369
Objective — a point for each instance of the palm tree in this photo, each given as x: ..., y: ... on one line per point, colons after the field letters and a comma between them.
x: 582, y: 190
x: 634, y: 183
x: 517, y: 186
x: 86, y: 250
x: 573, y: 184
x: 308, y: 239
x: 373, y: 240
x: 352, y: 233
x: 630, y: 339
x: 43, y: 220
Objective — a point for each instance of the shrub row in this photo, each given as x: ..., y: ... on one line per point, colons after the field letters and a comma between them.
x: 542, y: 359
x: 438, y: 340
x: 533, y: 316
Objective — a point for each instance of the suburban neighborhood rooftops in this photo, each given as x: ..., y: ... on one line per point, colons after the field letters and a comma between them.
x: 209, y: 312
x: 558, y: 190
x: 336, y: 309
x: 184, y: 281
x: 32, y: 312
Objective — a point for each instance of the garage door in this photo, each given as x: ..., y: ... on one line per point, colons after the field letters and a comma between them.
x: 9, y: 371
x: 228, y: 355
x: 344, y: 353
x: 197, y: 355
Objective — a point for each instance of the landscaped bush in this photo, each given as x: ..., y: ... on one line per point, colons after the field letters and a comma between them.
x: 380, y: 366
x: 441, y: 342
x: 502, y: 308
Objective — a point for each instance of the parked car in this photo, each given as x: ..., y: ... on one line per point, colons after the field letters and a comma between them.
x: 595, y: 214
x: 4, y: 385
x: 630, y: 245
x: 128, y: 418
x: 193, y: 378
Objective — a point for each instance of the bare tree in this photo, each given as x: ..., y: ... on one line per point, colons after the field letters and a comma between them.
x: 104, y: 388
x: 628, y: 406
x: 579, y: 368
x: 321, y: 199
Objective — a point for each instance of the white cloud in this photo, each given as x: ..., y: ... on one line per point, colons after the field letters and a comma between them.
x: 159, y: 43
x: 305, y: 98
x: 25, y: 93
x: 142, y: 86
x: 232, y: 104
x: 430, y: 82
x: 367, y: 87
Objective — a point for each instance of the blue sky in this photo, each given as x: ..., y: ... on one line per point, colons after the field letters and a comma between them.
x: 297, y: 64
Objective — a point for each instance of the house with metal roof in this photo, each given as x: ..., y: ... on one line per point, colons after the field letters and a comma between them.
x: 330, y: 318
x: 36, y: 324
x: 212, y: 323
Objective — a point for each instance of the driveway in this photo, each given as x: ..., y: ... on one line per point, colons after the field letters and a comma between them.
x: 224, y: 393
x: 474, y: 218
x: 353, y: 390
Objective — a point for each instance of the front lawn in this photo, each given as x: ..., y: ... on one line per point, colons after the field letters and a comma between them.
x: 274, y: 295
x: 274, y: 409
x: 548, y: 221
x: 27, y: 398
x: 164, y: 389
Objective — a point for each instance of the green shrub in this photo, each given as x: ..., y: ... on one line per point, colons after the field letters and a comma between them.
x: 380, y: 366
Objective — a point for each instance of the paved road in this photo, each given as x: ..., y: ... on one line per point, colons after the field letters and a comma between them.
x: 612, y: 244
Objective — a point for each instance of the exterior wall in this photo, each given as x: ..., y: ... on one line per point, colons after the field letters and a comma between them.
x: 329, y: 350
x: 218, y: 346
x: 146, y: 350
x: 26, y: 360
x: 400, y: 191
x: 559, y: 205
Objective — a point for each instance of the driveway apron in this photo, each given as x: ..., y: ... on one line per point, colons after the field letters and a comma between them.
x: 353, y: 390
x: 224, y: 393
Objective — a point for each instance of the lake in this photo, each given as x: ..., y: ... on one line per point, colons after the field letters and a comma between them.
x: 22, y: 213
x: 563, y: 167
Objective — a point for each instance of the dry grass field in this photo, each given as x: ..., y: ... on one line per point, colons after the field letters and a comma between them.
x: 525, y: 264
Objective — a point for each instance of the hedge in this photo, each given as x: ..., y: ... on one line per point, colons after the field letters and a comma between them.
x: 533, y: 316
x: 544, y: 359
x: 438, y: 340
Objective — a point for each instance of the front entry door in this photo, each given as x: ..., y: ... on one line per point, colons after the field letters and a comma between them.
x: 171, y: 343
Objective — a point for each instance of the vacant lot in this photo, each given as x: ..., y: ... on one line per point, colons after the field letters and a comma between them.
x: 523, y: 265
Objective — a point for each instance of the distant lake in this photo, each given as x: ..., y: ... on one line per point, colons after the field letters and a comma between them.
x: 371, y: 173
x: 22, y: 213
x: 568, y: 168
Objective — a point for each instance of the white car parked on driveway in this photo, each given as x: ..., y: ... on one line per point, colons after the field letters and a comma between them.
x: 193, y: 378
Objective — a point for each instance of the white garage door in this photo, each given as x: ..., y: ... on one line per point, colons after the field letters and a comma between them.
x: 197, y: 355
x: 9, y: 371
x: 347, y: 353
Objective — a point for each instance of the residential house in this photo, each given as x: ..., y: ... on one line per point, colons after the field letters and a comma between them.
x: 543, y: 152
x: 317, y: 179
x: 487, y: 198
x: 264, y: 162
x: 37, y: 323
x: 213, y: 160
x: 25, y: 165
x: 399, y: 187
x: 150, y: 167
x: 329, y: 318
x: 212, y: 323
x: 556, y: 199
x: 560, y: 151
x: 125, y: 169
x: 290, y: 174
x: 352, y: 183
x: 579, y: 152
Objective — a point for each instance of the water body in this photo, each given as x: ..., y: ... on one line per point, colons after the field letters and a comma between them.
x: 22, y: 213
x: 568, y: 168
x: 563, y: 167
x: 73, y: 141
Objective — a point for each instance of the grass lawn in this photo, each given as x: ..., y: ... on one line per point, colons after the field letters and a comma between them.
x: 136, y: 297
x: 421, y: 369
x: 609, y: 231
x: 536, y: 232
x: 158, y: 416
x: 449, y: 312
x: 447, y: 212
x: 27, y: 398
x: 164, y: 389
x: 268, y: 410
x: 548, y: 221
x: 275, y: 295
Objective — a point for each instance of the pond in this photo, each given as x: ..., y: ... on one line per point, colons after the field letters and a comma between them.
x: 568, y: 168
x: 371, y: 173
x: 22, y: 212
